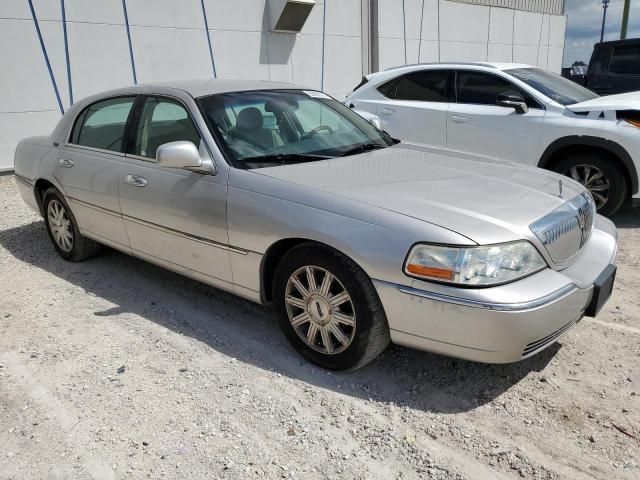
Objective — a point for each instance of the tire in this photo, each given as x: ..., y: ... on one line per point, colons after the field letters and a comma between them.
x: 73, y: 246
x: 363, y: 329
x: 577, y: 166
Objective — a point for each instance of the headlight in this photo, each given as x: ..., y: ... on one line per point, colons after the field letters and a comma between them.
x: 474, y: 266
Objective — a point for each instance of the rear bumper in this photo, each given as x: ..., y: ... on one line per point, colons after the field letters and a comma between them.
x: 28, y: 193
x: 499, y: 324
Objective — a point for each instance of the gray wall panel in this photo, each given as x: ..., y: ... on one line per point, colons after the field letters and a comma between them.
x: 554, y: 7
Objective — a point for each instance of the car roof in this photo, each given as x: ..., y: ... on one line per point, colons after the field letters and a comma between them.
x: 494, y: 65
x: 204, y: 87
x: 209, y: 86
x: 627, y: 41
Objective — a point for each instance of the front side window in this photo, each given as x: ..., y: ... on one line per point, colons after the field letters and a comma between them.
x: 625, y: 60
x: 557, y: 88
x: 484, y: 89
x: 274, y: 127
x: 424, y: 86
x: 162, y: 121
x: 102, y: 124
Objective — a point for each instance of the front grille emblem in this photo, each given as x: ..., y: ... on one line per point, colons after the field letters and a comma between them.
x: 564, y: 231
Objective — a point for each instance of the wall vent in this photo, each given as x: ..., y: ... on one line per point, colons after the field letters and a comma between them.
x: 289, y: 15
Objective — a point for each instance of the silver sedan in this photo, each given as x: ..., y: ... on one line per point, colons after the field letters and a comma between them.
x: 286, y: 197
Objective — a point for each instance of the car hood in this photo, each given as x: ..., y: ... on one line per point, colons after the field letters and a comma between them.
x: 622, y: 101
x: 483, y: 199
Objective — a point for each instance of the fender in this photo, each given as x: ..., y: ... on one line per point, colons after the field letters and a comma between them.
x: 588, y: 141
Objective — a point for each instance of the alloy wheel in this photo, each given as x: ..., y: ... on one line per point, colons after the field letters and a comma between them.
x: 60, y: 225
x: 593, y: 179
x: 320, y: 310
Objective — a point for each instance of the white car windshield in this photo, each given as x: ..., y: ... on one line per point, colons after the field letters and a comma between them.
x: 557, y: 88
x: 275, y: 127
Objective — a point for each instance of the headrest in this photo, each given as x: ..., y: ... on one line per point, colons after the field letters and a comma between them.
x: 250, y: 119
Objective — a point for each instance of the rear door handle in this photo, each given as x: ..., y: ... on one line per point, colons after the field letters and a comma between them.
x: 459, y: 119
x: 136, y: 180
x: 66, y: 163
x: 387, y: 111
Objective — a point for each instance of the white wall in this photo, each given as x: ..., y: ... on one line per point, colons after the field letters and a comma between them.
x: 463, y: 32
x: 169, y: 41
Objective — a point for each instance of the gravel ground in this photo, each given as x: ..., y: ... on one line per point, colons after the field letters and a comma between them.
x: 115, y: 368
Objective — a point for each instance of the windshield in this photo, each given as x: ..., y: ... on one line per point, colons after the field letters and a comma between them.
x: 274, y: 127
x: 557, y: 88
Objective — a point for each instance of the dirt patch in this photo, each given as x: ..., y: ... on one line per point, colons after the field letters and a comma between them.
x: 209, y: 387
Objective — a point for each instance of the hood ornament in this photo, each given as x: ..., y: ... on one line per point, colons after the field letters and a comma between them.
x: 560, y: 188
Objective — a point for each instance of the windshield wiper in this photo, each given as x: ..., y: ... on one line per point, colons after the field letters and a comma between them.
x: 286, y: 158
x: 365, y: 147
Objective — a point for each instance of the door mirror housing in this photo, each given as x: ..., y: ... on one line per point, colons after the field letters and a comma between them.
x: 180, y: 154
x: 513, y: 100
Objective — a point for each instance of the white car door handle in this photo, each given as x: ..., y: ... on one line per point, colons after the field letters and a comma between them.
x: 66, y: 163
x: 459, y: 119
x: 387, y: 111
x: 136, y: 180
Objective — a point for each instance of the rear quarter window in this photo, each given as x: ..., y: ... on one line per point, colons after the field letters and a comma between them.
x: 625, y: 60
x: 102, y: 124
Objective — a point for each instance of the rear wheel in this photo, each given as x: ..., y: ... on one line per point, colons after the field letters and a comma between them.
x: 62, y: 228
x: 328, y: 308
x: 605, y: 181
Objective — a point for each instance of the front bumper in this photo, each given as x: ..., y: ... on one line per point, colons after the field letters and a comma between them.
x: 499, y: 324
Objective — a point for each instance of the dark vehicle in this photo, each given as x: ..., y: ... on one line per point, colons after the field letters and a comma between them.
x: 576, y: 73
x: 615, y: 67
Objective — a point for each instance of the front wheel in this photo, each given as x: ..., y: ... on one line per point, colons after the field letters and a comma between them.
x: 328, y: 308
x: 600, y: 176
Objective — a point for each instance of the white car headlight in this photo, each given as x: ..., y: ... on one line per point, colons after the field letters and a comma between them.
x: 474, y: 266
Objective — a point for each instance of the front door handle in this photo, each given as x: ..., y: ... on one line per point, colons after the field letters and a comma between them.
x: 65, y: 162
x: 459, y: 119
x: 136, y: 180
x: 387, y: 111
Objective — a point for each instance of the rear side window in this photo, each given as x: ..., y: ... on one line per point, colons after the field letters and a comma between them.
x: 425, y: 86
x: 102, y: 124
x: 483, y: 89
x: 625, y: 60
x: 162, y: 121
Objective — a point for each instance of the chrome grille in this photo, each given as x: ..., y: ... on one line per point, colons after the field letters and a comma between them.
x: 564, y: 231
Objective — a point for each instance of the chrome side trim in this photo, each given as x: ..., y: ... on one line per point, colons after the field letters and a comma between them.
x: 94, y: 207
x: 23, y: 180
x: 185, y: 235
x: 155, y: 226
x: 500, y: 307
x: 92, y: 149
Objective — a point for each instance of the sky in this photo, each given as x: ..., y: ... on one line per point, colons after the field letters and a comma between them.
x: 585, y: 21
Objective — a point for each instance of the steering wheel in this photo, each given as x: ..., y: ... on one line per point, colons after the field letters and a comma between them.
x: 318, y: 129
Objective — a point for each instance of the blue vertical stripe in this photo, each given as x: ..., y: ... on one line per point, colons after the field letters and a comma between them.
x: 420, y: 39
x: 206, y: 29
x: 126, y: 22
x: 324, y: 31
x: 66, y: 51
x: 404, y: 31
x: 46, y: 56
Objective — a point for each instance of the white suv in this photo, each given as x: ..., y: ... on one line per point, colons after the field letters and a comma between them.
x: 513, y: 111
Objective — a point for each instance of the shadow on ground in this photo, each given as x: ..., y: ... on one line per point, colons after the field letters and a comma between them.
x: 628, y: 217
x: 246, y: 331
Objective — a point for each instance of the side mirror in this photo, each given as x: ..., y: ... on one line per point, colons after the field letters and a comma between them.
x: 512, y: 100
x: 376, y: 122
x: 180, y: 154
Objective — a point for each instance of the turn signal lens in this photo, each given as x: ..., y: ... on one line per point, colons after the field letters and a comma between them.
x: 635, y: 123
x: 432, y: 272
x: 474, y: 266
